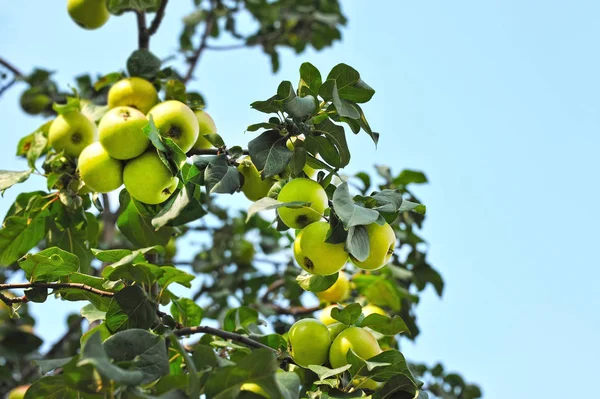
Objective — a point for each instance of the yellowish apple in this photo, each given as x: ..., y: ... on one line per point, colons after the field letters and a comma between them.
x: 71, y: 132
x: 309, y: 341
x: 325, y: 315
x: 176, y: 121
x: 382, y: 241
x: 206, y: 124
x: 303, y: 190
x: 89, y: 14
x: 335, y: 329
x: 133, y: 92
x: 359, y: 340
x: 338, y: 292
x: 148, y: 180
x: 121, y: 132
x: 315, y: 255
x: 254, y: 187
x: 98, y: 170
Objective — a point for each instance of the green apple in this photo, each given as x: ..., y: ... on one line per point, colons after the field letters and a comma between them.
x: 71, y: 132
x: 370, y: 309
x: 148, y: 180
x: 335, y: 329
x: 170, y: 249
x: 257, y: 390
x: 254, y: 187
x: 98, y: 170
x: 176, y: 121
x: 18, y: 392
x: 359, y: 340
x: 89, y: 14
x: 34, y: 102
x: 382, y: 241
x: 309, y: 341
x: 338, y: 291
x: 325, y: 315
x: 304, y: 190
x: 120, y: 132
x: 315, y: 255
x: 206, y: 124
x: 243, y: 252
x: 133, y: 92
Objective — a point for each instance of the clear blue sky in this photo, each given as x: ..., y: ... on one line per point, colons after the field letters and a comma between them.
x: 496, y: 100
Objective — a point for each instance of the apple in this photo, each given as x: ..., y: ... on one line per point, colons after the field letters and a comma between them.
x: 370, y: 309
x: 382, y: 241
x: 89, y: 14
x: 176, y: 121
x: 309, y: 341
x: 133, y: 92
x: 33, y: 102
x: 18, y: 392
x: 120, y: 132
x: 338, y: 291
x: 148, y: 180
x: 71, y: 132
x: 170, y: 249
x: 206, y: 124
x: 98, y: 170
x: 303, y: 190
x: 243, y: 252
x: 335, y: 329
x: 257, y: 390
x: 359, y: 340
x: 325, y: 315
x: 254, y: 187
x: 315, y: 255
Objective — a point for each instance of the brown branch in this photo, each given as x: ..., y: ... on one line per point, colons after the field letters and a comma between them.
x: 79, y: 286
x: 210, y: 19
x: 223, y: 334
x: 9, y: 301
x: 8, y: 86
x: 275, y: 285
x: 211, y: 151
x: 143, y: 38
x: 160, y: 13
x: 11, y: 67
x: 292, y: 310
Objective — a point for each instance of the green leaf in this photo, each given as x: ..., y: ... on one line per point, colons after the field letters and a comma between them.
x: 395, y: 364
x: 288, y: 384
x: 141, y: 272
x: 269, y: 153
x: 333, y: 147
x: 298, y: 107
x: 107, y: 80
x: 9, y: 178
x: 204, y: 357
x: 19, y: 234
x: 172, y: 275
x: 385, y: 325
x: 348, y: 315
x: 16, y: 342
x: 36, y: 294
x: 408, y: 176
x: 268, y: 203
x: 269, y: 106
x: 186, y: 312
x: 74, y: 294
x: 94, y: 353
x: 72, y: 104
x: 357, y: 243
x: 310, y: 79
x: 91, y: 313
x: 55, y: 387
x: 413, y: 206
x: 141, y: 350
x: 175, y: 90
x: 325, y: 372
x: 116, y: 7
x: 130, y: 308
x: 220, y: 177
x: 398, y: 383
x: 315, y: 283
x: 49, y: 264
x: 360, y: 366
x: 348, y: 211
x: 239, y: 319
x: 183, y: 207
x: 135, y: 222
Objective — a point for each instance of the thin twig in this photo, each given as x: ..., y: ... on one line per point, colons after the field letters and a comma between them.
x: 275, y: 285
x: 223, y: 334
x: 8, y: 86
x: 10, y: 67
x: 160, y: 13
x: 292, y: 310
x: 9, y: 301
x: 78, y: 286
x: 226, y: 47
x: 211, y: 151
x: 210, y: 19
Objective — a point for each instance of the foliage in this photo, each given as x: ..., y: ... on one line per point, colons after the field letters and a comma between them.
x: 72, y: 245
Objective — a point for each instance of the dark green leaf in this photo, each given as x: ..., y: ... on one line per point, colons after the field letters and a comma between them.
x: 348, y: 315
x: 239, y: 319
x: 19, y: 234
x: 135, y: 222
x: 49, y: 264
x: 408, y: 176
x: 186, y: 312
x: 269, y: 153
x: 130, y: 308
x: 310, y: 78
x: 385, y: 325
x: 350, y: 213
x: 220, y: 177
x: 315, y: 283
x: 183, y: 207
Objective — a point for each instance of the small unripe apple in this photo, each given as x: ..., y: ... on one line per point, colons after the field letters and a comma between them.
x: 89, y: 14
x: 325, y: 315
x: 133, y: 92
x: 303, y: 190
x: 170, y: 249
x: 338, y: 291
x: 33, y: 102
x: 18, y: 392
x: 254, y: 187
x: 71, y: 132
x: 243, y: 252
x: 176, y: 121
x: 148, y: 180
x: 120, y: 132
x: 206, y: 124
x: 315, y: 255
x: 382, y: 241
x: 335, y: 329
x: 359, y: 340
x: 98, y: 170
x: 309, y: 341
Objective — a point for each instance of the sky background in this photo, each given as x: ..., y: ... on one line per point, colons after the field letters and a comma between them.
x: 497, y: 101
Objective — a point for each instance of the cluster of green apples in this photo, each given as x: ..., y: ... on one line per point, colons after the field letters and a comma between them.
x: 311, y: 342
x: 123, y: 153
x: 89, y: 14
x: 311, y: 251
